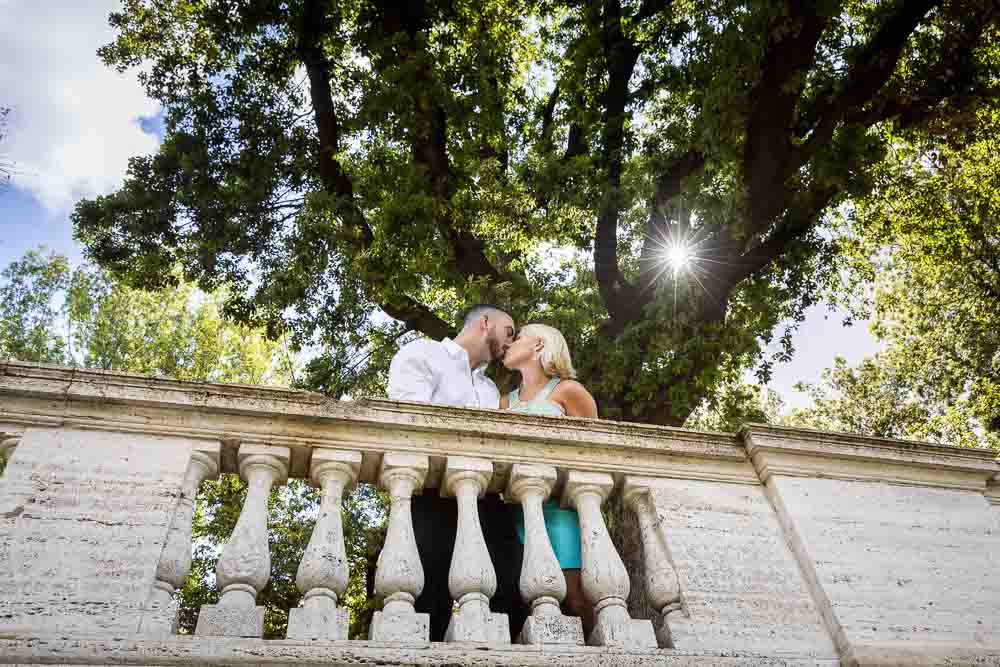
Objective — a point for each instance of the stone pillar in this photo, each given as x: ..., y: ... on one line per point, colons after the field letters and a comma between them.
x: 323, y: 572
x: 399, y: 576
x: 8, y: 443
x: 662, y: 587
x: 159, y: 618
x: 605, y: 580
x: 542, y: 582
x: 472, y: 579
x: 245, y: 565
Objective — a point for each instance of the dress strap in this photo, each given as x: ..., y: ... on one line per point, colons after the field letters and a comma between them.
x: 547, y: 389
x: 512, y: 397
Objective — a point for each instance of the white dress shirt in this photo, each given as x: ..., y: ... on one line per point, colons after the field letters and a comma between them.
x: 438, y: 372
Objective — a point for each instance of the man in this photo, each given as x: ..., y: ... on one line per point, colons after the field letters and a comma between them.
x: 452, y: 372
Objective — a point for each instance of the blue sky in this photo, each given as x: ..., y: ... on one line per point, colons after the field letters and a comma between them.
x: 76, y: 122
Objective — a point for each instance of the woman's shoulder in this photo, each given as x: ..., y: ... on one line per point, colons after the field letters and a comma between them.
x: 570, y: 387
x: 575, y: 399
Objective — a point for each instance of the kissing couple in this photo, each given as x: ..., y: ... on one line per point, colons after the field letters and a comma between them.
x: 453, y: 372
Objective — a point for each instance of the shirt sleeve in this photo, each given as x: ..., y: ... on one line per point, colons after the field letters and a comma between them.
x: 410, y: 375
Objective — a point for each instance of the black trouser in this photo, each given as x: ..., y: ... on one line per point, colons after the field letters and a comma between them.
x: 434, y: 523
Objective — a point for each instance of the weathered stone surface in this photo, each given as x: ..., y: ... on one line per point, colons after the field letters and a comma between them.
x: 404, y: 626
x: 399, y: 576
x: 472, y: 580
x: 160, y: 617
x: 318, y: 623
x: 896, y: 562
x: 605, y: 579
x: 305, y: 420
x: 739, y: 583
x: 552, y: 630
x: 217, y: 620
x: 542, y: 583
x: 794, y: 452
x: 894, y: 543
x: 626, y: 633
x: 476, y: 623
x: 659, y: 577
x: 230, y: 651
x: 323, y: 571
x: 244, y: 566
x: 89, y: 513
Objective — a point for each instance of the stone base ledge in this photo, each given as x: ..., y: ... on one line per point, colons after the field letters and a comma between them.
x: 232, y: 652
x: 313, y: 624
x: 922, y: 654
x: 214, y: 620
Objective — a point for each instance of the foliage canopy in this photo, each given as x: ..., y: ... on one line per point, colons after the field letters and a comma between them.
x: 335, y: 162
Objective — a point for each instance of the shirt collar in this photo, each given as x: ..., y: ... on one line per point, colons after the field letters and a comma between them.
x: 456, y: 351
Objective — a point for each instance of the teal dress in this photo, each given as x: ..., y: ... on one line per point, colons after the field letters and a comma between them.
x: 562, y: 524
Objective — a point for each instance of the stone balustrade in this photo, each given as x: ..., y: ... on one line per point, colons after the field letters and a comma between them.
x: 769, y: 547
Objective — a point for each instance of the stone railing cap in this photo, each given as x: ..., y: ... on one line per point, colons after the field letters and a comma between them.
x: 109, y: 387
x: 809, y: 452
x: 852, y: 444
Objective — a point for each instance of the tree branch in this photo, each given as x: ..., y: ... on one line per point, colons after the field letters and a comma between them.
x: 625, y: 302
x: 548, y: 111
x: 429, y: 147
x: 769, y: 154
x: 335, y: 181
x: 951, y: 76
x: 871, y: 70
x: 622, y: 56
x: 797, y: 221
x: 668, y: 186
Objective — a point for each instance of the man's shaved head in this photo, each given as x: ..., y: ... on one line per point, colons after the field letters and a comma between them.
x: 492, y: 326
x: 473, y: 314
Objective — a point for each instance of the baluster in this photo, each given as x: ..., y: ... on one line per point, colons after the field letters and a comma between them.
x: 160, y: 616
x: 399, y: 576
x: 661, y: 579
x: 245, y: 565
x: 542, y: 582
x: 323, y: 572
x: 472, y: 579
x: 605, y: 580
x: 7, y: 446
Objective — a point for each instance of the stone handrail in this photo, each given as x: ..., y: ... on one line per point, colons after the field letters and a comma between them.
x: 771, y: 546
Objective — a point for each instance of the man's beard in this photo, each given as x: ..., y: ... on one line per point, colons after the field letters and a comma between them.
x: 496, y: 349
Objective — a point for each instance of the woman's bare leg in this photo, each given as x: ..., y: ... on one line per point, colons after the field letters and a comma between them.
x: 576, y: 603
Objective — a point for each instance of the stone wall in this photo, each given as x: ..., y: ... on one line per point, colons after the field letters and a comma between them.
x: 770, y: 547
x: 896, y: 562
x: 85, y: 518
x: 740, y: 585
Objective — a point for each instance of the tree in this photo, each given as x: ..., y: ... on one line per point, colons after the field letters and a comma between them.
x: 876, y: 399
x: 28, y: 316
x: 179, y: 333
x: 358, y: 170
x: 734, y: 405
x: 929, y: 242
x: 51, y: 312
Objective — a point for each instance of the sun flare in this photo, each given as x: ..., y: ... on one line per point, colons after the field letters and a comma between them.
x: 678, y: 256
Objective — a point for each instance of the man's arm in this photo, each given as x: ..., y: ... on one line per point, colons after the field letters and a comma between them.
x: 410, y: 375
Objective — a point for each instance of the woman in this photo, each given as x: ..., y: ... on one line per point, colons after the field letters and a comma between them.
x: 547, y: 387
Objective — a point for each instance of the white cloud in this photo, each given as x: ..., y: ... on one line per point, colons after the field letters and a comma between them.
x: 75, y: 122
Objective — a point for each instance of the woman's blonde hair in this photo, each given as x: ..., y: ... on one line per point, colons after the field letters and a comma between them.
x: 554, y: 356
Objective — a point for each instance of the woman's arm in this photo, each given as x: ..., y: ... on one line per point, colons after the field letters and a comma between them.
x: 575, y: 399
x: 504, y: 403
